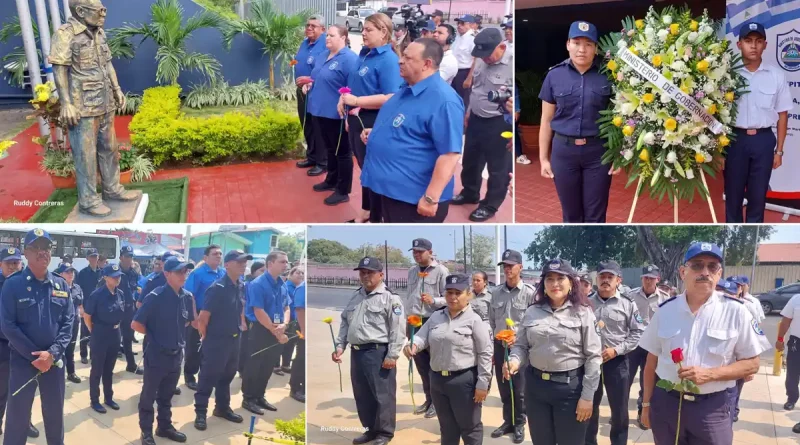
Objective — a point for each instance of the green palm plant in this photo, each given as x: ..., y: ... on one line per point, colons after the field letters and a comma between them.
x: 278, y: 33
x: 167, y: 30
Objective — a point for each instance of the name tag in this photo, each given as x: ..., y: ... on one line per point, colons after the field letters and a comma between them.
x: 59, y: 294
x: 276, y: 319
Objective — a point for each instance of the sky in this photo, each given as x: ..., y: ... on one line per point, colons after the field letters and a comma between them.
x: 173, y: 229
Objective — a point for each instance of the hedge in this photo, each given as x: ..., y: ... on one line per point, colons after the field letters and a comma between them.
x: 162, y: 131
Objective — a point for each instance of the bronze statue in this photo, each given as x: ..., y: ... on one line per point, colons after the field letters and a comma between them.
x: 90, y: 95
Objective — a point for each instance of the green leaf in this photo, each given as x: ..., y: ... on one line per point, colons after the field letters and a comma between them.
x: 640, y: 141
x: 691, y: 387
x: 665, y: 385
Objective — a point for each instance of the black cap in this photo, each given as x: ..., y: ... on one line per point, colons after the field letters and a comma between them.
x: 237, y: 255
x: 112, y: 270
x: 370, y: 263
x: 585, y: 277
x: 457, y: 282
x: 651, y: 271
x: 609, y: 266
x: 558, y: 265
x: 91, y: 252
x: 437, y: 13
x: 421, y: 244
x: 486, y: 42
x: 511, y: 257
x: 664, y: 283
x: 165, y: 256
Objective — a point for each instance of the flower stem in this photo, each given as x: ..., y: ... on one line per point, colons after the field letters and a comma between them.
x: 678, y: 431
x: 341, y: 129
x: 341, y: 388
x: 511, y: 385
x: 34, y: 378
x: 411, y: 372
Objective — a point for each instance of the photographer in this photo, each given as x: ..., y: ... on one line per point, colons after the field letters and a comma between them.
x: 484, y: 122
x: 445, y: 35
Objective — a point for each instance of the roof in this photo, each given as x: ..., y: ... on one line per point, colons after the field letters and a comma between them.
x: 230, y: 235
x: 779, y: 253
x: 525, y: 4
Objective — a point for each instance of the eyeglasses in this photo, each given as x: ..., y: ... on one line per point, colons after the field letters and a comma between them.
x: 698, y: 266
x: 309, y: 25
x: 102, y: 9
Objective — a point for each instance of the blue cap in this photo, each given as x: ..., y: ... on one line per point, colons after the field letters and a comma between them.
x: 126, y: 250
x: 91, y: 252
x: 744, y: 280
x: 35, y: 235
x: 466, y: 18
x: 508, y: 24
x: 736, y: 279
x: 751, y: 27
x: 703, y: 248
x: 237, y: 255
x: 175, y: 263
x: 729, y: 287
x: 10, y: 254
x: 166, y: 255
x: 112, y: 270
x: 430, y: 26
x: 64, y: 267
x: 583, y: 29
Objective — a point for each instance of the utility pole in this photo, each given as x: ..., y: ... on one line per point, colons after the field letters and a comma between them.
x: 471, y: 250
x: 464, y: 231
x: 755, y: 256
x: 386, y: 260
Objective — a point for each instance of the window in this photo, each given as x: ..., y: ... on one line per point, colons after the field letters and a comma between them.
x: 273, y: 242
x: 366, y: 12
x: 790, y: 289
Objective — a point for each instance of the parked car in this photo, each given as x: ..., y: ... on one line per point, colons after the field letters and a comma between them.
x: 389, y: 11
x: 355, y: 18
x: 776, y: 300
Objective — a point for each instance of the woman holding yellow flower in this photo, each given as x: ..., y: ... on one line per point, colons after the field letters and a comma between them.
x: 461, y: 364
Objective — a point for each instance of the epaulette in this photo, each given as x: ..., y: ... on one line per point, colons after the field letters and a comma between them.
x: 558, y: 65
x: 19, y: 272
x: 733, y: 298
x: 667, y: 301
x: 56, y: 274
x: 627, y: 296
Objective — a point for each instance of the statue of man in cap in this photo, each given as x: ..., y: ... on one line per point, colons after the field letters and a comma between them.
x: 90, y: 94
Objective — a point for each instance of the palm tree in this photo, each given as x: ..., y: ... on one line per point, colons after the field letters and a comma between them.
x: 278, y: 33
x: 166, y: 29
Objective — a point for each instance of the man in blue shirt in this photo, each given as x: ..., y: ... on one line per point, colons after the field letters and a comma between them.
x: 267, y: 315
x: 87, y: 279
x: 198, y: 282
x: 414, y: 147
x: 312, y: 47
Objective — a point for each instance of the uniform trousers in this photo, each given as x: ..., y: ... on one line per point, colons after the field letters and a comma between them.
x: 243, y: 349
x: 617, y: 385
x: 5, y: 369
x: 706, y: 420
x: 69, y: 354
x: 369, y: 201
x: 792, y: 382
x: 422, y: 361
x: 636, y: 361
x: 504, y: 387
x: 395, y: 211
x: 375, y: 390
x: 105, y: 345
x: 217, y: 370
x: 85, y: 337
x: 297, y: 380
x: 127, y: 338
x: 734, y: 393
x: 484, y: 147
x: 329, y: 136
x: 748, y: 169
x: 459, y: 416
x: 51, y: 390
x: 582, y: 180
x: 94, y: 147
x: 308, y: 128
x: 193, y: 354
x: 550, y: 407
x: 458, y: 85
x: 162, y: 369
x: 259, y: 367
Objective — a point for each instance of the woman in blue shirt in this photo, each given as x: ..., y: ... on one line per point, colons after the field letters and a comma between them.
x: 330, y: 74
x: 373, y: 82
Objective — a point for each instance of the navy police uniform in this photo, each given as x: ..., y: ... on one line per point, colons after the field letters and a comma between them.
x: 582, y: 181
x: 153, y: 283
x: 37, y: 315
x: 87, y: 279
x: 197, y: 283
x: 792, y: 352
x: 7, y: 254
x: 129, y: 285
x: 106, y: 308
x: 76, y: 293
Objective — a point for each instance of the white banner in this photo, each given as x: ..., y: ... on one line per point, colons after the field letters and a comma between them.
x: 653, y: 76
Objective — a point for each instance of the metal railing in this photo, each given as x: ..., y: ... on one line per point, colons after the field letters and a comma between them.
x: 392, y: 283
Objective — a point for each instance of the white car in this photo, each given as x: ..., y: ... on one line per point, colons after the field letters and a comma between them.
x: 355, y: 18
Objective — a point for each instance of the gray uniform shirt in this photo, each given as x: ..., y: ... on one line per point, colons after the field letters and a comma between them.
x: 487, y: 78
x: 458, y: 343
x: 433, y: 284
x: 648, y: 305
x: 376, y: 317
x: 509, y: 304
x: 481, y: 303
x: 561, y: 340
x: 618, y: 322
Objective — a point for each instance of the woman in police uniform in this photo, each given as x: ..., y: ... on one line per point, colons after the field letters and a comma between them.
x: 68, y: 273
x: 573, y: 94
x: 482, y: 296
x: 558, y: 337
x: 461, y: 363
x: 103, y: 313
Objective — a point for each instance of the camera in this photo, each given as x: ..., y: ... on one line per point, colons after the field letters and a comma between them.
x: 415, y: 19
x: 500, y: 96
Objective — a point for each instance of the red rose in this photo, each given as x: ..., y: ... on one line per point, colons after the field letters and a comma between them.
x: 677, y: 355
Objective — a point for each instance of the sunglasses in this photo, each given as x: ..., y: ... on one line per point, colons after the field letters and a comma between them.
x: 699, y: 266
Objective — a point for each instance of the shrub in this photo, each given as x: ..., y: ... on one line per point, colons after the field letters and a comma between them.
x: 221, y: 94
x: 164, y: 133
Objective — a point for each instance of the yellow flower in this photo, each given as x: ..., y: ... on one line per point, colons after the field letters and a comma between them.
x: 685, y: 88
x: 724, y: 141
x: 644, y: 155
x: 699, y: 158
x: 42, y: 88
x: 702, y: 66
x: 639, y: 24
x: 627, y: 130
x: 693, y: 25
x: 509, y: 322
x: 43, y: 97
x: 674, y: 29
x: 648, y: 98
x: 617, y: 121
x: 507, y: 135
x: 328, y: 320
x: 712, y: 109
x: 729, y: 96
x: 5, y: 145
x: 612, y: 65
x: 656, y: 60
x: 633, y: 50
x: 670, y: 124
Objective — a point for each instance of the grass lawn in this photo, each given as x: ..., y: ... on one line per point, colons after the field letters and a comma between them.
x: 289, y: 107
x: 168, y: 201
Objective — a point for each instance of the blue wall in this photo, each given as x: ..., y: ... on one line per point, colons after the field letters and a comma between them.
x: 261, y: 240
x: 244, y: 61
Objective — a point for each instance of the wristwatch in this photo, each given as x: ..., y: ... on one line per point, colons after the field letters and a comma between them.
x: 645, y: 404
x: 779, y: 153
x: 430, y: 200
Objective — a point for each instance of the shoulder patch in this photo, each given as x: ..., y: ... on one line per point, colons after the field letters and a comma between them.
x: 734, y: 299
x: 756, y: 327
x: 397, y: 309
x: 667, y: 301
x: 638, y: 317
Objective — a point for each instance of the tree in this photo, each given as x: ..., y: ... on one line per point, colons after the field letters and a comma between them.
x: 740, y: 241
x: 583, y: 246
x: 324, y: 251
x: 278, y: 33
x: 291, y: 245
x: 166, y: 29
x: 480, y: 250
x: 395, y: 256
x: 665, y: 246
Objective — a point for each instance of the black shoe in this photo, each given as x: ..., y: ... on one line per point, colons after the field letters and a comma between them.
x: 135, y: 341
x: 192, y: 385
x: 286, y: 368
x: 481, y: 214
x: 502, y: 430
x: 135, y: 353
x: 381, y: 440
x: 519, y: 433
x: 277, y: 371
x: 112, y: 404
x: 84, y: 360
x: 137, y: 371
x: 300, y: 397
x: 423, y: 408
x: 639, y: 421
x: 305, y: 163
x: 177, y: 391
x: 171, y: 433
x: 336, y: 199
x: 460, y: 200
x: 788, y: 406
x: 796, y: 429
x: 323, y: 187
x: 431, y: 412
x: 120, y: 355
x: 33, y: 433
x: 99, y: 408
x: 252, y: 406
x: 735, y: 418
x: 73, y: 378
x: 147, y: 439
x: 362, y: 439
x: 200, y: 422
x: 316, y: 171
x: 228, y: 415
x: 262, y: 402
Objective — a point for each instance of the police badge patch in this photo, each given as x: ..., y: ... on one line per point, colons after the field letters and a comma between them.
x: 363, y: 71
x: 757, y: 328
x: 398, y: 121
x: 583, y: 26
x: 38, y: 232
x: 396, y: 309
x: 638, y: 317
x: 333, y: 65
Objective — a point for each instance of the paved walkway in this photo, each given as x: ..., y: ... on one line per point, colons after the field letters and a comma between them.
x: 762, y: 419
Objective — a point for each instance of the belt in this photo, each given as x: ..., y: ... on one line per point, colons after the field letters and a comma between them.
x: 558, y: 377
x: 100, y: 323
x: 169, y: 352
x: 455, y: 373
x: 692, y: 397
x: 576, y: 141
x: 753, y: 131
x: 366, y: 346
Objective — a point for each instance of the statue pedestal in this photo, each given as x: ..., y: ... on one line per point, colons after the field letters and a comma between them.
x: 121, y: 212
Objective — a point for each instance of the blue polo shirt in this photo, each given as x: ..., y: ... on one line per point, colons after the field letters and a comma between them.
x: 297, y: 297
x: 307, y: 55
x: 413, y: 128
x: 378, y: 72
x: 329, y: 76
x: 578, y: 98
x: 200, y: 280
x: 268, y: 294
x: 155, y: 281
x: 164, y: 315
